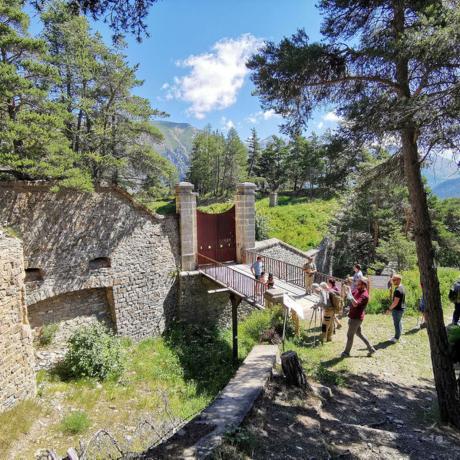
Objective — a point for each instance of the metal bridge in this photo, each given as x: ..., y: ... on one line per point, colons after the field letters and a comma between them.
x: 238, y: 279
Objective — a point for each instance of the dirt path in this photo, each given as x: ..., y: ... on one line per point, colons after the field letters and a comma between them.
x: 384, y: 407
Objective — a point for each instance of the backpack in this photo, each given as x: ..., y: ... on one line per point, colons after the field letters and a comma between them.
x: 336, y: 302
x: 454, y: 293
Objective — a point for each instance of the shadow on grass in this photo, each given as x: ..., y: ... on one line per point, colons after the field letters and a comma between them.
x: 204, y: 354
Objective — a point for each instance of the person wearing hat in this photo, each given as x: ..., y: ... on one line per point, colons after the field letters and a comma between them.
x: 359, y: 300
x: 398, y: 306
x: 309, y: 272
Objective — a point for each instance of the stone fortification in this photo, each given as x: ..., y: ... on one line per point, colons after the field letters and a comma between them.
x: 102, y: 247
x: 277, y: 249
x: 17, y: 378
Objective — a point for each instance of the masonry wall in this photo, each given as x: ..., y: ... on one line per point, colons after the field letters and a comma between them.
x: 17, y: 377
x: 71, y: 311
x: 197, y: 306
x: 64, y: 231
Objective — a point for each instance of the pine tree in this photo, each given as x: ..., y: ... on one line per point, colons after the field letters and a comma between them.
x: 254, y: 151
x: 234, y: 163
x: 32, y: 144
x: 272, y: 164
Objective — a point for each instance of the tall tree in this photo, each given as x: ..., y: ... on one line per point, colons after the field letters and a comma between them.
x: 234, y: 162
x: 254, y: 151
x: 272, y: 163
x: 107, y: 126
x: 32, y: 143
x: 392, y: 67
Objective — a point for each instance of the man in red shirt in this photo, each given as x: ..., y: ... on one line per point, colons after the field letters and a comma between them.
x: 359, y: 299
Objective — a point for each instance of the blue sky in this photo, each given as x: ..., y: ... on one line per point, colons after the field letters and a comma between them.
x: 193, y: 62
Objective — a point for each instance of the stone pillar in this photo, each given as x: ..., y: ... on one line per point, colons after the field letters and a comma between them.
x: 245, y: 214
x: 186, y: 207
x: 273, y: 199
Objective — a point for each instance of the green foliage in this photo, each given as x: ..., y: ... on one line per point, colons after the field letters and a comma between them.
x: 75, y: 423
x: 78, y: 120
x: 254, y: 152
x: 47, y: 334
x: 297, y: 220
x: 93, y: 352
x: 17, y: 421
x: 398, y: 249
x: 271, y: 164
x: 329, y: 377
x: 262, y: 228
x: 217, y: 163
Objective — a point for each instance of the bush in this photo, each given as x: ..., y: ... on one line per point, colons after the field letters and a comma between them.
x: 47, y: 334
x: 93, y: 352
x: 74, y: 423
x: 262, y: 228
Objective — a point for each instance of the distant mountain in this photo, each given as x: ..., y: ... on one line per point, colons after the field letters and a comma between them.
x: 443, y: 177
x: 448, y: 189
x: 177, y: 144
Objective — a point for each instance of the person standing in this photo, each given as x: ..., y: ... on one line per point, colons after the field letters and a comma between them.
x: 257, y: 268
x: 327, y: 325
x: 398, y: 306
x: 359, y: 300
x: 454, y: 296
x: 309, y: 272
x: 358, y: 274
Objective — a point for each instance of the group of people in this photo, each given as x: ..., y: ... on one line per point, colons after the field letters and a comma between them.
x: 352, y: 299
x: 257, y: 269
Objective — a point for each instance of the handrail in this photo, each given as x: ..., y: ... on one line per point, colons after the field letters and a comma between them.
x: 285, y: 271
x: 242, y: 283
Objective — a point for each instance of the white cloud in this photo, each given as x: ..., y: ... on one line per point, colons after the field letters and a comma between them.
x: 226, y: 123
x: 215, y: 77
x: 332, y: 116
x: 255, y: 118
x: 320, y: 125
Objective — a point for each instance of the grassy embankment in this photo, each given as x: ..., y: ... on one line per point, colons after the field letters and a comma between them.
x: 189, y: 366
x: 299, y: 221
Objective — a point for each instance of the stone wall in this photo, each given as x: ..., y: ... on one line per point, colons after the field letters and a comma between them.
x: 17, y: 378
x: 64, y: 231
x: 196, y: 306
x: 277, y: 249
x: 70, y: 311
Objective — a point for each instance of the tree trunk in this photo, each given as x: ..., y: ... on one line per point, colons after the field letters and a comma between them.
x: 443, y: 370
x: 293, y: 371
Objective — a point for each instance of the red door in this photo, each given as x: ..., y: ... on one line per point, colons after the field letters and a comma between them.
x: 216, y: 236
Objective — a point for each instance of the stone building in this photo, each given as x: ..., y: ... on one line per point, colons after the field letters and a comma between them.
x: 17, y: 378
x: 93, y: 257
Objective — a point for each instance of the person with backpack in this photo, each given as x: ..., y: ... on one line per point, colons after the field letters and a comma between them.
x: 454, y: 296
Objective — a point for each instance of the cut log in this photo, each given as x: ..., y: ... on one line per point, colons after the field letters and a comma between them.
x: 293, y: 371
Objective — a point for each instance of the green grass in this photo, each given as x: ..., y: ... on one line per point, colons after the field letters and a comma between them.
x: 298, y: 221
x: 47, y: 334
x: 17, y: 422
x: 75, y: 423
x: 188, y: 366
x: 163, y: 207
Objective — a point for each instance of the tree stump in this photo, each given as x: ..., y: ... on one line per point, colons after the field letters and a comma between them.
x: 293, y: 371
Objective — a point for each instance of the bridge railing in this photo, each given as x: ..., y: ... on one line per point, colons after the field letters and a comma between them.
x: 285, y: 271
x: 241, y: 283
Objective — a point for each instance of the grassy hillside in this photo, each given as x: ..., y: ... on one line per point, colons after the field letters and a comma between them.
x: 299, y: 221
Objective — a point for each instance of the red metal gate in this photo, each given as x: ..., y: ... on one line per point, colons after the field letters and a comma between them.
x: 216, y: 236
